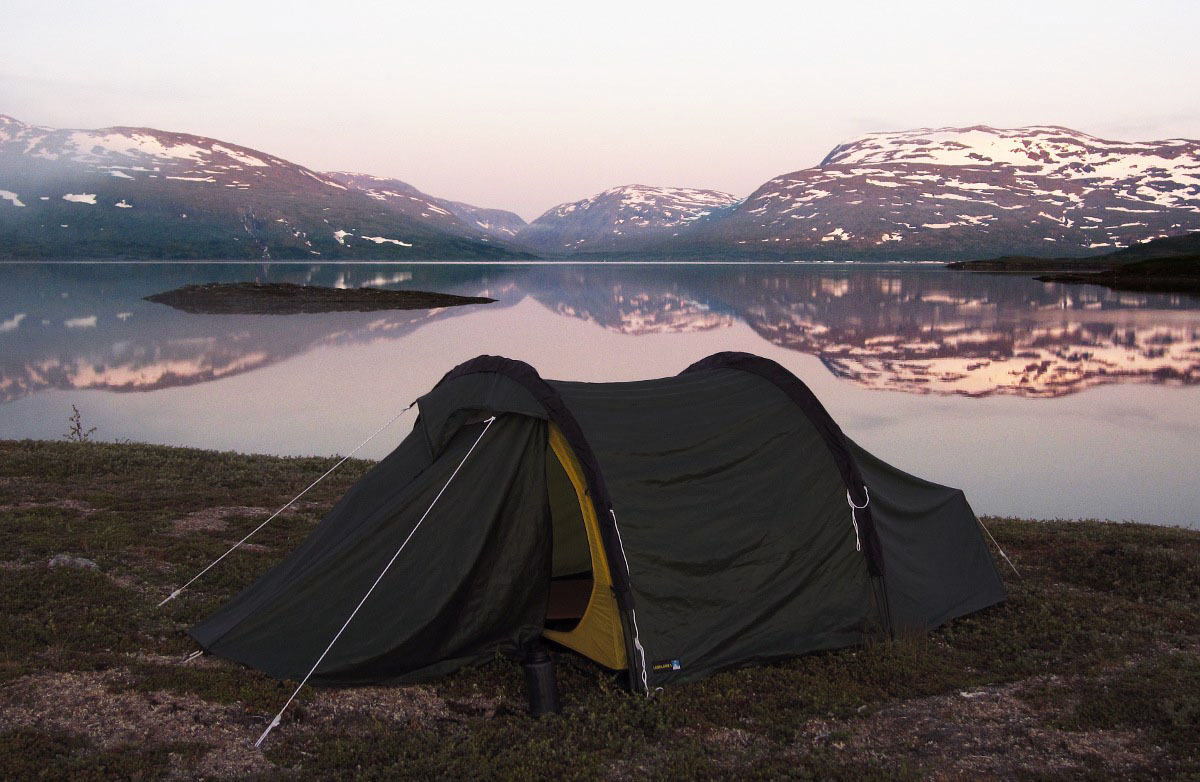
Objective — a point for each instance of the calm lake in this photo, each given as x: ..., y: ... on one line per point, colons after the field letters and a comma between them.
x: 1039, y: 400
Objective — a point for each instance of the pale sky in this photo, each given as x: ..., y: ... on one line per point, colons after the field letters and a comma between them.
x: 526, y: 105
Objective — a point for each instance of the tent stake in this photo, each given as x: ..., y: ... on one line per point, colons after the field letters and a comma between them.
x: 213, y: 564
x: 275, y: 722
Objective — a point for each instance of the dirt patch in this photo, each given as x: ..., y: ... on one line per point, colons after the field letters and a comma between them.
x: 981, y: 733
x: 399, y: 704
x: 84, y: 705
x: 214, y: 519
x: 730, y: 737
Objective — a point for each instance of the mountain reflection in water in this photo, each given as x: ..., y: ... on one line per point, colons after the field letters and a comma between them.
x: 914, y: 329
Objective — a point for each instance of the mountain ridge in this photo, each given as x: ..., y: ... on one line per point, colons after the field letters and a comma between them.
x: 950, y: 193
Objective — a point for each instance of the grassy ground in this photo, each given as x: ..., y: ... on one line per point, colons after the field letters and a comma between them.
x: 1092, y: 668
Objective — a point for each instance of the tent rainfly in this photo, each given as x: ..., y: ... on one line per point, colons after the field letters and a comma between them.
x: 670, y: 528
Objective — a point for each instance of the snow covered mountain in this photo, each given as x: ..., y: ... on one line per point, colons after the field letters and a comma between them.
x: 967, y: 193
x: 622, y: 219
x: 454, y: 216
x: 937, y: 194
x: 145, y: 193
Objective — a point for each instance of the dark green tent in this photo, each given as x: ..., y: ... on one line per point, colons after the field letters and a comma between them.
x: 670, y: 527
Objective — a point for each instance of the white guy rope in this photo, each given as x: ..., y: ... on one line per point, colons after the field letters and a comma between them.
x: 998, y: 548
x: 275, y: 722
x: 212, y: 564
x: 854, y: 518
x: 637, y: 641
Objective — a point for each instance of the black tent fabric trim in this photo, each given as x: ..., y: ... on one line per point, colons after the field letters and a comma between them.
x: 808, y: 403
x: 561, y: 415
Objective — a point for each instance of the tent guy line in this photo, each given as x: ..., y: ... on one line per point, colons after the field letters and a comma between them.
x: 254, y: 531
x: 275, y: 722
x: 997, y: 545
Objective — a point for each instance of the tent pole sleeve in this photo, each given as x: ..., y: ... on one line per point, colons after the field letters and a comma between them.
x: 386, y: 568
x: 561, y: 415
x: 830, y: 432
x: 640, y: 660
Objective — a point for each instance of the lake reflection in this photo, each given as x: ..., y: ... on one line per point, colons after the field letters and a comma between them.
x: 920, y: 330
x: 912, y: 329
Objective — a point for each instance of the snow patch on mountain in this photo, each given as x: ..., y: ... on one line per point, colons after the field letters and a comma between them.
x: 1166, y: 172
x: 382, y: 240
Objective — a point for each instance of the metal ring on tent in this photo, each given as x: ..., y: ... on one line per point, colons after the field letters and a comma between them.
x: 854, y: 518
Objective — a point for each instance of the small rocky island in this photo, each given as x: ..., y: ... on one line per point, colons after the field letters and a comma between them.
x: 283, y: 298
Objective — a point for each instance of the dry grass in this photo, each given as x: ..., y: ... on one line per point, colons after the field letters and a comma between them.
x: 1091, y: 670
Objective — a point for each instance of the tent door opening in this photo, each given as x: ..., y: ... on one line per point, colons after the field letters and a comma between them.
x: 571, y: 581
x: 582, y: 611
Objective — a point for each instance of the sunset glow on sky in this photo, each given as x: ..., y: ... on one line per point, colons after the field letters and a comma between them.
x: 524, y: 106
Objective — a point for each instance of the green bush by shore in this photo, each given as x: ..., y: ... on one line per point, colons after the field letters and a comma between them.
x: 1090, y: 670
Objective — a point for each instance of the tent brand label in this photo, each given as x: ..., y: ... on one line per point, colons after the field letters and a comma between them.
x: 668, y: 665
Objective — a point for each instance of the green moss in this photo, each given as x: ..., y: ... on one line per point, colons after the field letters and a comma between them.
x: 71, y: 611
x: 27, y: 753
x: 1160, y: 696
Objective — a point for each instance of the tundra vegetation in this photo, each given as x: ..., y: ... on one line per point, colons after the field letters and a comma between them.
x: 1091, y: 669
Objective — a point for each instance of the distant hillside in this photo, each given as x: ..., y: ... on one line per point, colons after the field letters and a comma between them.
x: 1185, y: 246
x: 452, y: 216
x: 1162, y: 266
x: 144, y: 193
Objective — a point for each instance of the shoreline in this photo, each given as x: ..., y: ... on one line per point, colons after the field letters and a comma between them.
x: 1168, y: 265
x: 1089, y: 668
